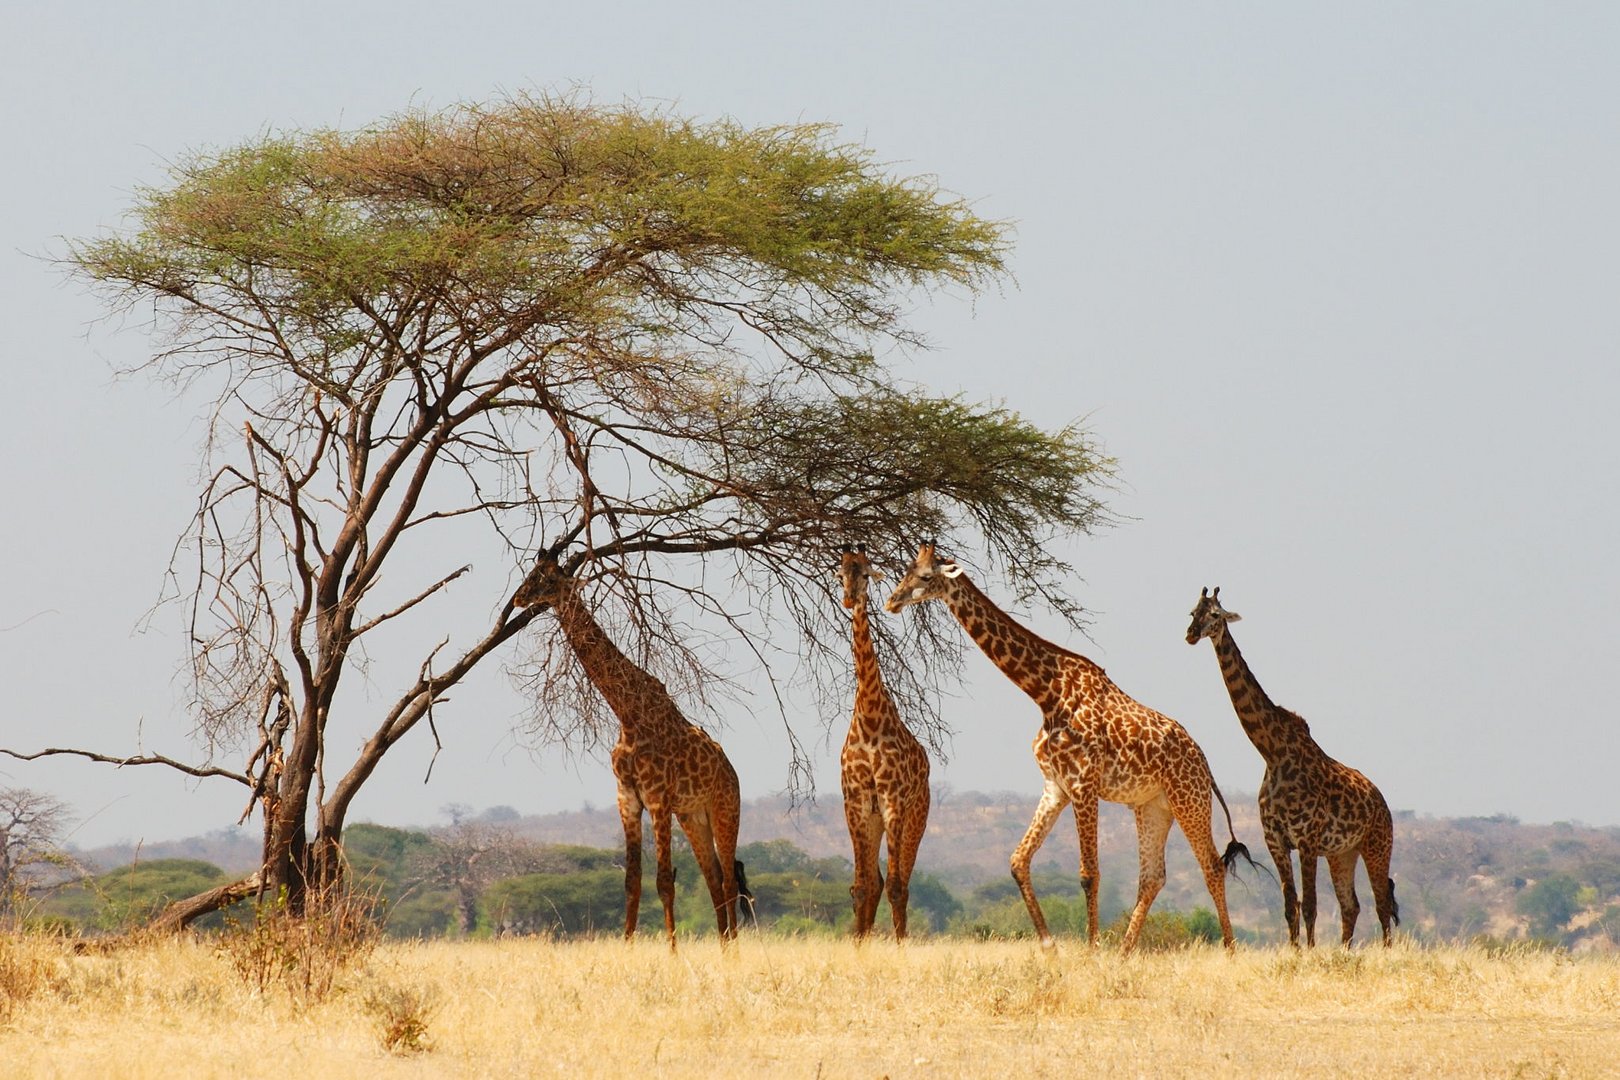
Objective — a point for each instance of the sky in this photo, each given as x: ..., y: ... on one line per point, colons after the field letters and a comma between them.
x: 1336, y: 288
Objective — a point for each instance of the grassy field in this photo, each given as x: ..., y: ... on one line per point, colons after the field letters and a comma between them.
x: 807, y: 1008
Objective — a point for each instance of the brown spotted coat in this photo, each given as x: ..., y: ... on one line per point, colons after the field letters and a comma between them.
x: 884, y: 771
x: 1309, y: 802
x: 1095, y: 743
x: 663, y: 762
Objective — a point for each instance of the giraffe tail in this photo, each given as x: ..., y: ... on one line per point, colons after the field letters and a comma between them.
x: 745, y: 895
x: 1394, y: 908
x: 1236, y: 849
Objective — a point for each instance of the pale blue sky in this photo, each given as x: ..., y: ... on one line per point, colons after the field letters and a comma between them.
x: 1337, y: 288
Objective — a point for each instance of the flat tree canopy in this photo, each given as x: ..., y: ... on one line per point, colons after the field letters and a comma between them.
x: 648, y: 349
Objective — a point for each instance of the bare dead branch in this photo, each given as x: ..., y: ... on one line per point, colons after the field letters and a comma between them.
x: 202, y: 771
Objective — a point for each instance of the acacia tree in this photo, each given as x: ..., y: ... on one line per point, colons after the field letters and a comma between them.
x: 470, y: 855
x: 31, y: 828
x: 642, y: 347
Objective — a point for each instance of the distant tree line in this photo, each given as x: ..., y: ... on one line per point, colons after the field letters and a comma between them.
x: 1467, y: 879
x: 426, y: 886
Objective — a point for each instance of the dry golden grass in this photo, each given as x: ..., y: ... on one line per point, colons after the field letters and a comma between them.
x: 806, y: 1008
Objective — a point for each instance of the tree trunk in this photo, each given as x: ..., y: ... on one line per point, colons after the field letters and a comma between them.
x: 287, y: 862
x: 180, y: 914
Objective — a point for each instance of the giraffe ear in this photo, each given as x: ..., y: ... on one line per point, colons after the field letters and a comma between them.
x: 877, y: 575
x: 950, y: 569
x: 1232, y: 616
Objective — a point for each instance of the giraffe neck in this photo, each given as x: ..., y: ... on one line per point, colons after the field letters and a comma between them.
x: 1029, y: 660
x: 869, y: 687
x: 640, y: 701
x: 1271, y: 729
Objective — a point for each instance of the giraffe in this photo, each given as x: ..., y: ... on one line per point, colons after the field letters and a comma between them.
x: 663, y: 763
x: 1095, y: 743
x: 884, y: 769
x: 1308, y: 801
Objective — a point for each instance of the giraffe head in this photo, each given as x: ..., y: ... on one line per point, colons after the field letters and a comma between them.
x: 928, y: 579
x: 543, y: 585
x: 855, y: 570
x: 1209, y: 619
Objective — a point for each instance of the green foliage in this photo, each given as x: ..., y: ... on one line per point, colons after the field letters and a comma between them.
x: 773, y: 856
x: 574, y: 858
x: 131, y: 895
x: 380, y: 857
x: 1549, y: 904
x: 548, y: 199
x: 1163, y: 931
x: 809, y: 894
x: 425, y: 913
x: 1203, y: 924
x: 874, y: 454
x: 931, y: 905
x: 583, y: 902
x: 381, y: 863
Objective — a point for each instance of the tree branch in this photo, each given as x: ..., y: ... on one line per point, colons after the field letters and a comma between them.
x: 203, y: 771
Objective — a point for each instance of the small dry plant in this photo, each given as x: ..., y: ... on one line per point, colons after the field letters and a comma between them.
x: 21, y: 975
x: 25, y: 970
x: 303, y: 954
x: 402, y: 1014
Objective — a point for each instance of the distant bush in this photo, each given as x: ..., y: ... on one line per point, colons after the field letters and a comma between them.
x: 379, y: 857
x: 1163, y: 931
x: 933, y: 901
x: 578, y: 903
x: 131, y: 895
x: 1549, y: 904
x: 804, y: 895
x: 427, y: 914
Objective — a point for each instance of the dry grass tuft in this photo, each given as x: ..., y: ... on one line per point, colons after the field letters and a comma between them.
x: 303, y: 954
x: 402, y: 1014
x: 27, y: 965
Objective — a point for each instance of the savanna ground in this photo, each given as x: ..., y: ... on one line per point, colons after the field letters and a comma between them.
x: 774, y: 1006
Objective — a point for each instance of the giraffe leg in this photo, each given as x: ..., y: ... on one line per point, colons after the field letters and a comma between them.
x: 1376, y: 854
x: 1152, y: 829
x: 662, y: 827
x: 1342, y: 868
x: 898, y: 885
x: 701, y: 836
x: 1085, y: 827
x: 865, y: 837
x: 630, y: 818
x: 1046, y: 814
x: 1283, y: 859
x: 725, y: 819
x: 905, y: 832
x: 1191, y: 809
x: 1307, y: 900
